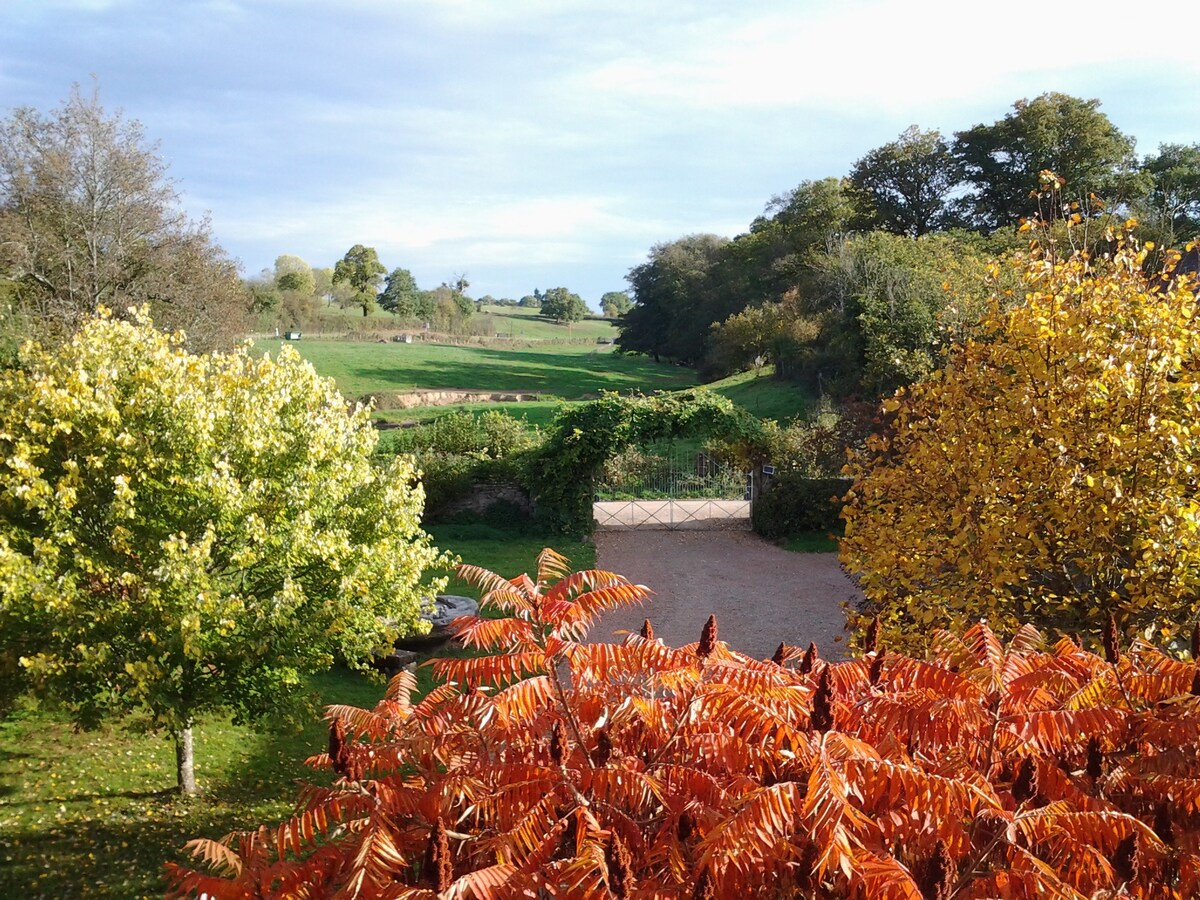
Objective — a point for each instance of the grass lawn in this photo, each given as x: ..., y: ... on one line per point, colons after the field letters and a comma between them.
x: 521, y: 323
x: 557, y: 370
x: 91, y: 814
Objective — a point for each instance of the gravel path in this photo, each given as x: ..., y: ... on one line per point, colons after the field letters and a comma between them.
x: 760, y: 593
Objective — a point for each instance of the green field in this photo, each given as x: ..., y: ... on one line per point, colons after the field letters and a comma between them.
x: 763, y: 396
x: 569, y: 371
x: 522, y: 324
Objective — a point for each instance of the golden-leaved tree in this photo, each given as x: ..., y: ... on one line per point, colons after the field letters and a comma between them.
x: 183, y: 533
x: 1049, y: 471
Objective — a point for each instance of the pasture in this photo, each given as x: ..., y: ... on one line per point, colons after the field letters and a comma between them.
x: 567, y: 371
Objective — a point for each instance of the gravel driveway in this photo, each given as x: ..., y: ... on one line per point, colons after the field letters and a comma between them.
x: 760, y: 593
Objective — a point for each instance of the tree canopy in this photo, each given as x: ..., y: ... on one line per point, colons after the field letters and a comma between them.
x: 400, y: 294
x: 1048, y: 472
x: 1063, y: 134
x: 563, y: 306
x: 361, y: 269
x: 906, y: 186
x: 90, y: 218
x: 615, y: 303
x: 181, y: 533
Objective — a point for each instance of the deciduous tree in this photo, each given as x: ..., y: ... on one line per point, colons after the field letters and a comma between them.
x: 563, y: 306
x: 1173, y: 201
x: 399, y: 295
x: 181, y: 534
x: 1048, y: 472
x: 1064, y: 134
x: 361, y: 269
x: 615, y: 303
x: 89, y: 217
x: 905, y: 186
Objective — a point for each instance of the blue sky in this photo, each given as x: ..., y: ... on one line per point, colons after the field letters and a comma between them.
x: 538, y: 143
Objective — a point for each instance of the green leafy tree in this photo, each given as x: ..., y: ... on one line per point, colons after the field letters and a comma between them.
x: 906, y: 186
x: 399, y: 295
x: 1172, y: 206
x: 885, y: 306
x: 294, y: 274
x: 184, y: 534
x: 615, y: 303
x: 90, y: 217
x: 361, y: 269
x: 1063, y: 134
x: 563, y: 306
x: 1048, y: 472
x: 676, y: 299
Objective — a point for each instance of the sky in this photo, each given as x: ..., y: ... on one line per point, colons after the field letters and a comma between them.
x: 546, y: 143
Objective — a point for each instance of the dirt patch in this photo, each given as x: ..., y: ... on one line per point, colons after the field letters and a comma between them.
x: 761, y: 594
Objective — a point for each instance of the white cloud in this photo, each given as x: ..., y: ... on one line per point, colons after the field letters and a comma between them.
x: 882, y: 56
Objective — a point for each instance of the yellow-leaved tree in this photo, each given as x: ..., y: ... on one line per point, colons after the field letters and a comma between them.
x: 1049, y: 471
x: 183, y: 533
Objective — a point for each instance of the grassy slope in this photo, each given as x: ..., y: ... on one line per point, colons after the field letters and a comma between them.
x: 763, y: 396
x: 559, y: 370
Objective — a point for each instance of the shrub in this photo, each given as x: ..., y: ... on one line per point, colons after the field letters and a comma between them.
x: 793, y: 504
x: 1048, y: 473
x: 552, y: 767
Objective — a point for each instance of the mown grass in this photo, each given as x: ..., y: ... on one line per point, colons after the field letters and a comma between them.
x: 93, y: 814
x: 569, y: 371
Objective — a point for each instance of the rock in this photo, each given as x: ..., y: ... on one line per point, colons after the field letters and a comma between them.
x: 447, y: 608
x: 395, y: 661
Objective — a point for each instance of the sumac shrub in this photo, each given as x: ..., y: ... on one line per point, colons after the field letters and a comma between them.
x: 547, y: 766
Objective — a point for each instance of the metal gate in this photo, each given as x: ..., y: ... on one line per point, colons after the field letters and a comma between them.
x: 672, y: 490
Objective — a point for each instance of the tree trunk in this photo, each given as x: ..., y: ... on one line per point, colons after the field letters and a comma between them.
x: 185, y: 768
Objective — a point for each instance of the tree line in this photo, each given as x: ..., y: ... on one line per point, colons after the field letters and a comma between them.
x: 90, y: 218
x: 853, y: 284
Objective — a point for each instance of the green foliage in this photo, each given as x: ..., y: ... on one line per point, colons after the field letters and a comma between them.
x: 905, y: 186
x: 675, y: 300
x: 400, y: 294
x: 461, y: 449
x: 565, y: 469
x: 1048, y: 472
x: 1064, y: 134
x: 185, y: 533
x: 793, y: 504
x: 1172, y: 207
x: 294, y: 274
x: 887, y: 307
x: 361, y: 269
x: 563, y: 306
x: 615, y: 303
